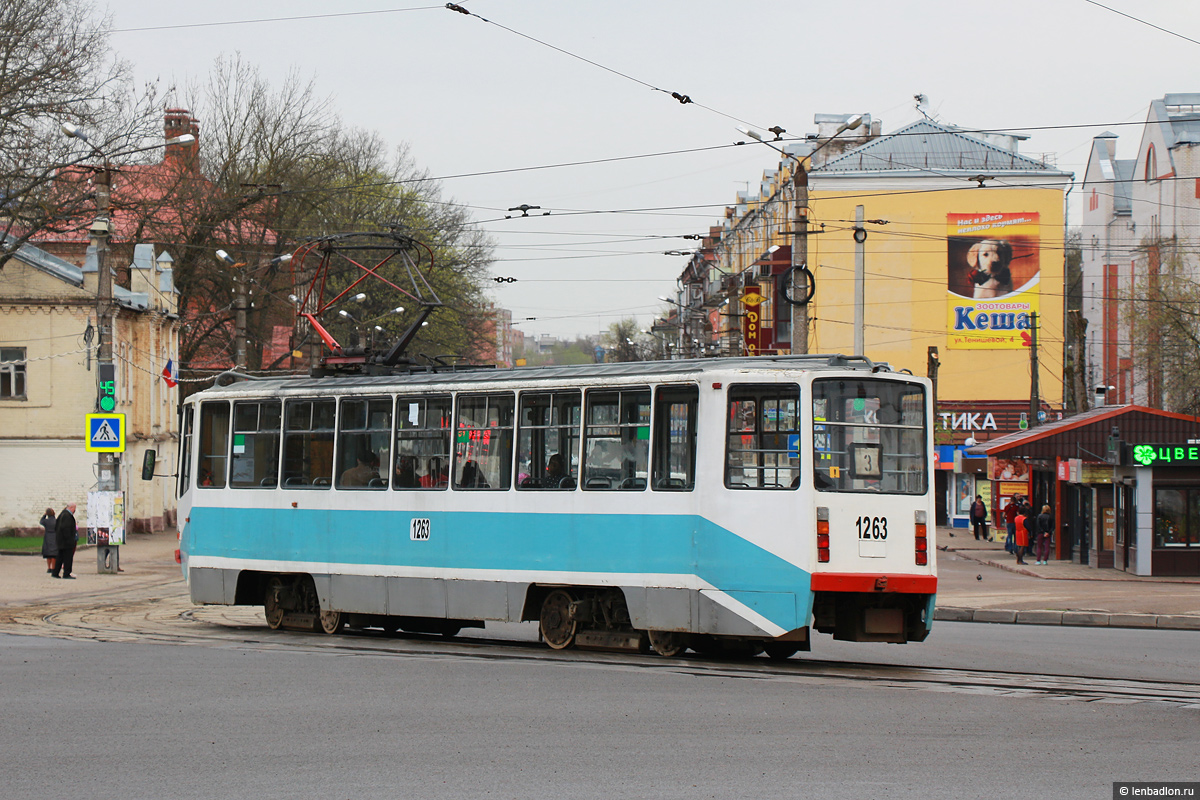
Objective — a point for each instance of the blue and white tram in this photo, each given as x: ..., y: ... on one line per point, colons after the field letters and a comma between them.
x: 719, y: 503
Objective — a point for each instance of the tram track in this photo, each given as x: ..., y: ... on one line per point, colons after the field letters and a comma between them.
x: 169, y: 617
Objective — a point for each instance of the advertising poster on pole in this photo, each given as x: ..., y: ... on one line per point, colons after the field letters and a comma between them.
x: 106, y: 518
x: 993, y: 275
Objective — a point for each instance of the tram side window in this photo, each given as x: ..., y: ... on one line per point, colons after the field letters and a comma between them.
x: 617, y: 440
x: 483, y: 451
x: 548, y: 440
x: 763, y: 439
x: 214, y: 445
x: 869, y: 436
x: 255, y: 445
x: 675, y: 438
x: 308, y: 444
x: 364, y: 435
x: 423, y: 428
x: 185, y: 451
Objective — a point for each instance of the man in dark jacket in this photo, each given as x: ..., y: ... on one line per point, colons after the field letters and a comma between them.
x: 67, y: 536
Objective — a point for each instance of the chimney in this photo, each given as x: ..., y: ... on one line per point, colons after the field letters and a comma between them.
x: 178, y: 122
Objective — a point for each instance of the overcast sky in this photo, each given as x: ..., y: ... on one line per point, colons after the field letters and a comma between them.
x: 470, y: 96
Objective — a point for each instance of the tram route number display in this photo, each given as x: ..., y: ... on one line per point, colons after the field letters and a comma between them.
x: 872, y: 537
x: 418, y: 530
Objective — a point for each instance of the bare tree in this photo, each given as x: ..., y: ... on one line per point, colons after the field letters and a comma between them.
x: 56, y: 67
x: 277, y: 167
x: 1165, y: 328
x: 625, y: 341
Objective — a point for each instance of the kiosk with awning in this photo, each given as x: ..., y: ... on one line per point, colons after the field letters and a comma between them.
x: 1123, y: 481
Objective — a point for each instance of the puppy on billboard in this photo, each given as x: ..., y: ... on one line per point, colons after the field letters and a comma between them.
x: 992, y: 279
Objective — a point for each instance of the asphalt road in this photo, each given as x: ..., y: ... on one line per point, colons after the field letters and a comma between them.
x: 294, y: 717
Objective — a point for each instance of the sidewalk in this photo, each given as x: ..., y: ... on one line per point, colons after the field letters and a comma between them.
x: 977, y: 582
x: 147, y: 561
x: 981, y: 582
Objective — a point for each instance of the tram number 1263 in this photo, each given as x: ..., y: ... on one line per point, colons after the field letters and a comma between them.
x: 872, y: 528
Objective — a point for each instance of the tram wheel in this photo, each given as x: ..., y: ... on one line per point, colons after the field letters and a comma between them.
x: 668, y: 643
x: 271, y: 605
x: 330, y: 622
x: 555, y: 624
x: 781, y: 651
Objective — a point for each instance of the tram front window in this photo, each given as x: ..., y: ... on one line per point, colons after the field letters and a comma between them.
x: 869, y: 436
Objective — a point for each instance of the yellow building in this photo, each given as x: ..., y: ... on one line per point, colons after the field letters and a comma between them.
x: 48, y: 377
x: 958, y: 240
x: 961, y: 245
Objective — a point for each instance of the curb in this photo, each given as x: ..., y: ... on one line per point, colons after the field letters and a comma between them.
x: 1073, y: 619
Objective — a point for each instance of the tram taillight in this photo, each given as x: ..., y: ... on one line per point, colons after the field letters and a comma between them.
x: 922, y: 541
x: 823, y: 535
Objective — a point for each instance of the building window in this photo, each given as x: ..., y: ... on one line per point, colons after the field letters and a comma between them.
x: 1177, y: 517
x: 12, y: 373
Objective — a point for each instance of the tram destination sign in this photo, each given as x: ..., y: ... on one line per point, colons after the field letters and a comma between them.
x: 1163, y: 455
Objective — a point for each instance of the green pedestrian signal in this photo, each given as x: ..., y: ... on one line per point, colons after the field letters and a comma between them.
x: 108, y: 387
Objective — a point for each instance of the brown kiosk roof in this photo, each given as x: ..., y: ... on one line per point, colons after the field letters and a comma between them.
x: 1086, y: 435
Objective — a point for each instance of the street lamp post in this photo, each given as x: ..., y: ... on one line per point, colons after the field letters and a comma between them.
x: 800, y: 271
x: 682, y: 325
x: 108, y: 478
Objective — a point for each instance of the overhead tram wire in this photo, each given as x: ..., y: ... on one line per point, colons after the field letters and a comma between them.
x: 272, y: 19
x: 1142, y: 21
x: 683, y: 99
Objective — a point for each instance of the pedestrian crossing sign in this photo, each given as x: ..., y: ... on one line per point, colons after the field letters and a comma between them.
x: 105, y: 433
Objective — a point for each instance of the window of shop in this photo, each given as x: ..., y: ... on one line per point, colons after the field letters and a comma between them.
x: 1177, y: 517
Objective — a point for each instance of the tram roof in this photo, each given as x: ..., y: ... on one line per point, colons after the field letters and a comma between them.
x: 548, y: 374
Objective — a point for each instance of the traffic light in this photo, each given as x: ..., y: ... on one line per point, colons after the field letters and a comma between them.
x: 107, y: 400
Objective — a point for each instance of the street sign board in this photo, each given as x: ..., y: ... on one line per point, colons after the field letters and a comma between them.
x: 105, y: 433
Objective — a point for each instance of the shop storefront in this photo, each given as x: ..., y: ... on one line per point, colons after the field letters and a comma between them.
x: 963, y: 474
x: 1123, y: 483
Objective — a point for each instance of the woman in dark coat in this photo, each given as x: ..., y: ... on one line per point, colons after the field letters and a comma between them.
x: 49, y: 548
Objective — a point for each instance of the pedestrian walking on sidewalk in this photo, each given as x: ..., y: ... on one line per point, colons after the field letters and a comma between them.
x: 66, y: 536
x: 1010, y: 523
x: 1022, y: 534
x: 49, y: 545
x: 979, y: 515
x: 1045, y: 529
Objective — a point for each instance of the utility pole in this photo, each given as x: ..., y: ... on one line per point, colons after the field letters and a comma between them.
x: 800, y: 259
x: 239, y: 323
x: 932, y: 363
x: 1034, y: 401
x: 860, y: 274
x: 108, y: 465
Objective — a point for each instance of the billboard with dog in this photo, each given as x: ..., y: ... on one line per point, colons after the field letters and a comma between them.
x: 993, y: 272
